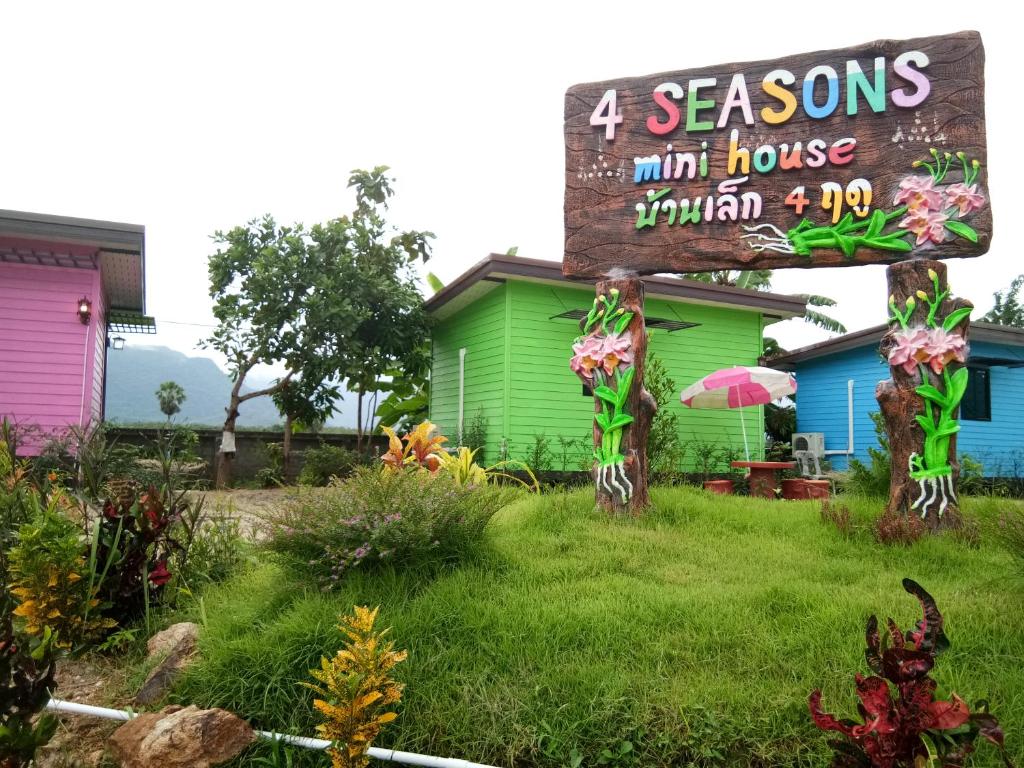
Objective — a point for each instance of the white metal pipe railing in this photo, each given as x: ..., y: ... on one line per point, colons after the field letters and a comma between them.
x: 391, y: 755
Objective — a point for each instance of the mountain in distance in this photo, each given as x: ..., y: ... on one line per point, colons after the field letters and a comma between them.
x: 135, y: 373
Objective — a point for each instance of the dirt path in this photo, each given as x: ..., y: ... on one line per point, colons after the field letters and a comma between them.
x: 247, y: 506
x: 80, y: 741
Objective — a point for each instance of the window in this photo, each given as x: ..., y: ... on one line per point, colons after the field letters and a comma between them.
x: 977, y: 402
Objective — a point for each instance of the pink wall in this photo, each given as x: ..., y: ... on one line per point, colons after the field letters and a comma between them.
x: 48, y: 372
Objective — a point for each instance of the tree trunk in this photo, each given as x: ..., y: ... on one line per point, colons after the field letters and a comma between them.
x: 359, y: 421
x: 286, y: 448
x: 640, y: 405
x: 225, y: 459
x: 924, y: 470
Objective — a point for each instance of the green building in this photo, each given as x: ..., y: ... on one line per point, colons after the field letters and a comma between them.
x: 502, y: 343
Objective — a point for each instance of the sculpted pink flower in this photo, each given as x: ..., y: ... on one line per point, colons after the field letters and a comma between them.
x: 908, y: 344
x: 943, y: 347
x: 616, y: 350
x: 926, y: 225
x: 588, y: 355
x: 918, y: 193
x: 966, y: 198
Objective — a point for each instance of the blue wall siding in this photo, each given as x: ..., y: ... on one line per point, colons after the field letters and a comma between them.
x: 822, y: 400
x: 821, y: 407
x: 997, y: 444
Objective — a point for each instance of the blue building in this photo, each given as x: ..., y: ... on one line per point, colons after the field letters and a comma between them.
x: 836, y: 394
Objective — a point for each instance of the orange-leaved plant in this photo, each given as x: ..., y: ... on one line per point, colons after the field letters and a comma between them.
x: 49, y: 577
x: 356, y: 689
x: 422, y: 448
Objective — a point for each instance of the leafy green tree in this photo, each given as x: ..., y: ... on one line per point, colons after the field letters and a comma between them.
x: 335, y: 302
x: 761, y: 280
x: 170, y: 395
x: 389, y: 339
x: 305, y: 402
x: 1007, y: 309
x: 664, y: 448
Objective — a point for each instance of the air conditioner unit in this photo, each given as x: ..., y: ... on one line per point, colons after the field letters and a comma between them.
x: 814, y: 442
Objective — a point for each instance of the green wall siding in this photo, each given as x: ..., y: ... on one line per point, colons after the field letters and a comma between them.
x: 544, y: 397
x: 480, y: 329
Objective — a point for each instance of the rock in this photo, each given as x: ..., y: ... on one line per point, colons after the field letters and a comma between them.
x: 178, y: 638
x: 177, y: 646
x: 180, y: 738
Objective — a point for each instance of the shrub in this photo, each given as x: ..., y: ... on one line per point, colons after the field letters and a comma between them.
x: 272, y: 475
x: 27, y: 670
x: 913, y: 728
x: 540, y: 456
x: 972, y: 476
x: 132, y: 549
x: 872, y: 480
x: 475, y: 437
x: 210, y: 547
x: 838, y: 516
x: 380, y: 515
x: 464, y: 470
x: 893, y: 527
x: 665, y: 450
x: 326, y: 461
x: 357, y: 689
x: 50, y: 577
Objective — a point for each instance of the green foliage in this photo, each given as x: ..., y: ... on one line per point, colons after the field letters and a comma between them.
x: 338, y: 301
x: 872, y: 480
x: 687, y: 632
x: 664, y: 448
x: 27, y: 675
x: 475, y: 436
x: 540, y: 456
x: 211, y: 548
x: 380, y: 515
x: 780, y: 422
x: 711, y: 458
x: 272, y: 475
x: 50, y: 579
x: 326, y: 461
x: 761, y: 280
x: 1007, y: 309
x: 972, y: 476
x: 567, y: 447
x: 170, y: 395
x: 310, y: 398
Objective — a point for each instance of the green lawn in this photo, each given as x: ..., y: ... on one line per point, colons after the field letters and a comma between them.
x: 695, y: 633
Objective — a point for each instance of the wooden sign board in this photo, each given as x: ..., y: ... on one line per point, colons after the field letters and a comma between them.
x: 865, y: 155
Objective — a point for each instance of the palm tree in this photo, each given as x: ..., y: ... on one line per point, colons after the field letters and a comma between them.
x: 761, y: 280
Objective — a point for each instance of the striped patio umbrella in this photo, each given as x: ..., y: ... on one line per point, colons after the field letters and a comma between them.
x: 738, y: 387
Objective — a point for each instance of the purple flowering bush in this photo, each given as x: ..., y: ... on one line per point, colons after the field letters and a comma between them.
x: 378, y: 516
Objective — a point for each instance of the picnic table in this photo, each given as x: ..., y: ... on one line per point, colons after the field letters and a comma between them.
x: 764, y: 475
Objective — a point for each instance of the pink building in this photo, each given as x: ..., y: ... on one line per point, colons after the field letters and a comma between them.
x: 67, y: 288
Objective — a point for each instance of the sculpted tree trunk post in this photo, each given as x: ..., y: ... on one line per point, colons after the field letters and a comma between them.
x: 926, y: 346
x: 609, y: 357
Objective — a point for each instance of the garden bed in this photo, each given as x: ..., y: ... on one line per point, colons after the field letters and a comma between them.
x: 694, y: 634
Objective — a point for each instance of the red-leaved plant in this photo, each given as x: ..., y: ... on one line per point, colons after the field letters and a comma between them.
x: 911, y: 729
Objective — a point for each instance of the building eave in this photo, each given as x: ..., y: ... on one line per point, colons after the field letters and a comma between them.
x: 990, y: 333
x: 498, y: 267
x: 108, y: 241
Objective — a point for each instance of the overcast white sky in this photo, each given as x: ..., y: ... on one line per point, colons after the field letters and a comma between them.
x: 189, y: 118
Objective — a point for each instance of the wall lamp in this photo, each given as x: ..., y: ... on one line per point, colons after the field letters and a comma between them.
x: 84, y: 310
